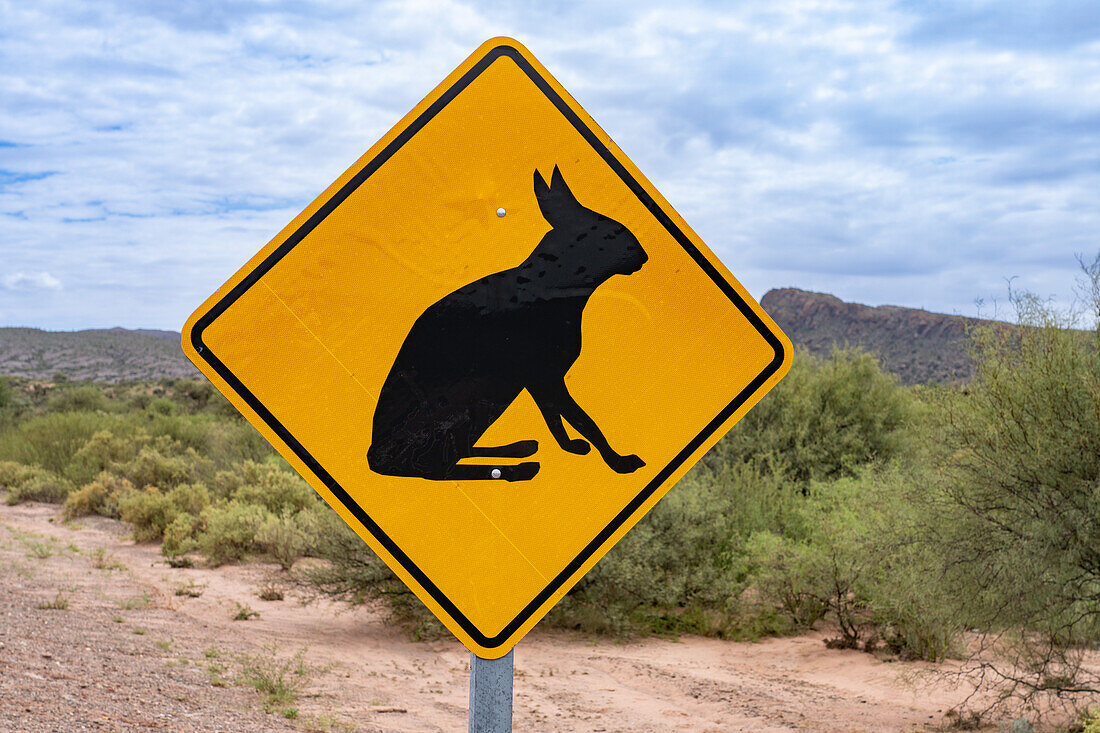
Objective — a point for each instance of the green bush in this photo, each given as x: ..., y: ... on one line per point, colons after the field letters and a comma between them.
x: 190, y: 498
x: 271, y: 486
x: 14, y: 474
x: 102, y: 451
x: 98, y: 497
x: 1089, y: 720
x: 1017, y: 517
x: 150, y: 467
x: 825, y: 420
x: 51, y: 440
x: 148, y: 510
x: 161, y: 406
x: 791, y: 575
x: 352, y: 573
x: 229, y: 531
x: 180, y: 536
x: 31, y: 483
x: 286, y: 537
x: 679, y: 569
x: 83, y: 398
x: 41, y: 485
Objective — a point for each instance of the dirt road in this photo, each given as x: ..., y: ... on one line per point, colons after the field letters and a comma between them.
x: 93, y: 636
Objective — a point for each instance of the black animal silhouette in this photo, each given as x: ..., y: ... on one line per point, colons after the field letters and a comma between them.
x: 468, y: 356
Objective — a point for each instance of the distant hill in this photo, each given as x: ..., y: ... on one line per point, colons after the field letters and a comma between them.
x: 103, y: 355
x: 918, y: 346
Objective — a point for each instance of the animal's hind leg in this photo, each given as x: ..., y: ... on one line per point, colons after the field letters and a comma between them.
x: 519, y: 449
x: 519, y: 472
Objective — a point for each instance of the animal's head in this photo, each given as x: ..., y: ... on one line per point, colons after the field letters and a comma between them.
x: 592, y: 245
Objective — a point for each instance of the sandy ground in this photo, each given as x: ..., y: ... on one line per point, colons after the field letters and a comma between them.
x: 127, y: 653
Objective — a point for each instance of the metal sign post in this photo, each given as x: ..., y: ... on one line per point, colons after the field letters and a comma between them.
x: 491, y: 694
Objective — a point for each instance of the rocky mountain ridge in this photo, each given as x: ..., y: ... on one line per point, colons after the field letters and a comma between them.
x: 918, y: 346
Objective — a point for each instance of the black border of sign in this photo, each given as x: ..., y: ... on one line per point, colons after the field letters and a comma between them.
x: 338, y: 491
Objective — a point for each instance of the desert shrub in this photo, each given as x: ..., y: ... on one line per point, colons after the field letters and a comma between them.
x: 83, y: 398
x: 271, y: 486
x: 100, y: 452
x: 161, y: 406
x: 97, y: 497
x: 791, y: 575
x: 138, y: 401
x: 8, y: 404
x: 198, y: 395
x: 229, y: 531
x: 220, y: 441
x: 285, y: 537
x: 225, y: 483
x: 1018, y: 514
x: 40, y: 485
x: 32, y: 483
x: 826, y: 419
x: 1088, y: 720
x: 190, y: 498
x: 148, y: 510
x: 349, y: 571
x: 850, y: 553
x: 150, y: 467
x: 824, y: 568
x: 13, y: 474
x: 678, y: 570
x: 180, y: 535
x: 51, y: 440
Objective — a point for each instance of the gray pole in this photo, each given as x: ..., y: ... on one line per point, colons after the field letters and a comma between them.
x: 491, y: 694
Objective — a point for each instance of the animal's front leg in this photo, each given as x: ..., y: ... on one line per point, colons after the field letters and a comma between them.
x: 559, y: 402
x: 552, y: 415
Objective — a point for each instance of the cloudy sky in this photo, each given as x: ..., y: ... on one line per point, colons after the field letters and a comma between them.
x: 908, y: 153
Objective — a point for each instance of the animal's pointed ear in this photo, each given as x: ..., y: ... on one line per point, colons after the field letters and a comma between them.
x: 542, y: 190
x: 556, y: 201
x: 559, y: 187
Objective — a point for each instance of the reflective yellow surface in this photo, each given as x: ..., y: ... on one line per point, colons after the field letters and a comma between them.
x: 664, y: 349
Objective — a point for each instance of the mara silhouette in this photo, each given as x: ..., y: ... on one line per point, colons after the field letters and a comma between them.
x: 469, y: 355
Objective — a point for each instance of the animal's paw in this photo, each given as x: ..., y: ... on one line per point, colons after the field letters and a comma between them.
x: 578, y: 446
x: 520, y: 472
x: 626, y: 464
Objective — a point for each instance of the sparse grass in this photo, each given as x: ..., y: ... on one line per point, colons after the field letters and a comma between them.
x: 280, y: 681
x: 216, y: 673
x: 245, y: 612
x: 163, y: 645
x: 103, y: 560
x: 325, y: 723
x: 59, y: 603
x: 117, y: 619
x: 190, y: 589
x: 270, y: 591
x: 139, y: 632
x: 212, y: 653
x: 136, y: 602
x: 39, y: 550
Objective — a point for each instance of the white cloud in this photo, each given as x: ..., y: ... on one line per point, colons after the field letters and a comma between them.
x: 30, y: 281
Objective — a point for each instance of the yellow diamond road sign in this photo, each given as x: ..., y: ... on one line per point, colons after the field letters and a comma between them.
x: 491, y: 345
